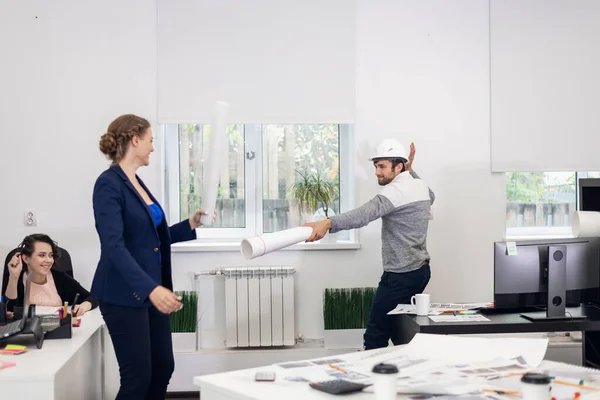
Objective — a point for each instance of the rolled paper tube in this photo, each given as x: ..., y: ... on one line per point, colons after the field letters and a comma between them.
x: 260, y: 245
x: 586, y: 224
x: 218, y: 145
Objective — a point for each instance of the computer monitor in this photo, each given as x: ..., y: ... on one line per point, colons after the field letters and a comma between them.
x: 521, y: 280
x: 589, y: 194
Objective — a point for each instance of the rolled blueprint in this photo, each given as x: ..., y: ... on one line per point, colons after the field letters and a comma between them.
x: 212, y: 169
x: 586, y: 224
x: 260, y: 245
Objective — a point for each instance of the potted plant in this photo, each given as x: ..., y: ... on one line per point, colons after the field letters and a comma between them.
x: 345, y: 314
x: 314, y: 194
x: 184, y: 323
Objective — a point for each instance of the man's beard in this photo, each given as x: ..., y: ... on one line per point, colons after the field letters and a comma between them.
x: 384, y: 181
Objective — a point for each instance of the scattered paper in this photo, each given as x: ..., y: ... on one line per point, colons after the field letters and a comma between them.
x: 438, y: 308
x: 561, y: 372
x: 458, y: 318
x: 473, y: 349
x: 433, y: 364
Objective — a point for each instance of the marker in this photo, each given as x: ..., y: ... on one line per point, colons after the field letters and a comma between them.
x: 343, y: 371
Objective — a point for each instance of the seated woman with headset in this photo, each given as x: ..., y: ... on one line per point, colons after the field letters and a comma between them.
x: 49, y: 287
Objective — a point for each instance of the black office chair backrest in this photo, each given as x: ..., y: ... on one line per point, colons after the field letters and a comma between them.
x: 63, y: 264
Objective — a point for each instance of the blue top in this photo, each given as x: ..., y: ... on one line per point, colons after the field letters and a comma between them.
x: 156, y: 213
x: 158, y: 216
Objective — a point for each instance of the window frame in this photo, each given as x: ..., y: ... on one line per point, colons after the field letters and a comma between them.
x: 559, y: 232
x: 222, y: 238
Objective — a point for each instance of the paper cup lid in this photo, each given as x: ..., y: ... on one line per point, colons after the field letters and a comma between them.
x: 536, y: 379
x: 385, y: 369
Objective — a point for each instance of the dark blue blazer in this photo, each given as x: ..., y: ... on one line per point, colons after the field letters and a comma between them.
x: 135, y: 254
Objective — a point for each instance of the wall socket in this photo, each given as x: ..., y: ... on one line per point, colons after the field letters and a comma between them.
x: 30, y: 218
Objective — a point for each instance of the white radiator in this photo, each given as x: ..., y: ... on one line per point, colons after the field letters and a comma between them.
x: 259, y: 306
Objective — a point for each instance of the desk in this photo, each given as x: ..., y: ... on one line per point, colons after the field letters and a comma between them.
x: 409, y: 325
x: 62, y: 369
x: 240, y: 385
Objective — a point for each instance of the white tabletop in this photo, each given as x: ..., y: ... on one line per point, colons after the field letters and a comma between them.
x: 240, y: 385
x: 45, y: 363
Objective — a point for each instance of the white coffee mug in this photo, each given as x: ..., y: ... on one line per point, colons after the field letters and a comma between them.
x: 421, y: 303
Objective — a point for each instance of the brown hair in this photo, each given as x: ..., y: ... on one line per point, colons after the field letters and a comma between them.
x: 27, y: 246
x: 115, y: 142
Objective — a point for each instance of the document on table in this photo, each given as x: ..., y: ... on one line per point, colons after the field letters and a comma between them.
x: 433, y: 364
x: 563, y: 386
x: 458, y: 318
x: 469, y: 349
x: 438, y: 308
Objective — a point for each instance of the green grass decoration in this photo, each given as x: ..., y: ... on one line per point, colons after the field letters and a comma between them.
x: 184, y: 320
x: 347, y: 308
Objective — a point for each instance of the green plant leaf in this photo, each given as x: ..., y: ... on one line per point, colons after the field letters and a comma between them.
x: 185, y: 320
x: 313, y: 190
x: 347, y: 308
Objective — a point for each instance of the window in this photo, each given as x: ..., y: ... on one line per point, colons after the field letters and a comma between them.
x: 257, y: 171
x: 542, y: 203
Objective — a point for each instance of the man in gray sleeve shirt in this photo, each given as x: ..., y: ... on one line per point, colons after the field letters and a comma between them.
x: 404, y: 206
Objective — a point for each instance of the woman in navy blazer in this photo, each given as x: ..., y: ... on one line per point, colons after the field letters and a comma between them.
x: 133, y: 281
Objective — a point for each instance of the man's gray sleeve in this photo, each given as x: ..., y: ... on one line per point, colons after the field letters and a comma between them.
x: 431, y: 194
x: 361, y: 216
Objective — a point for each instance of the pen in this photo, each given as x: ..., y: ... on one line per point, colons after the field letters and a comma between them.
x: 568, y: 380
x: 65, y: 308
x: 338, y: 368
x: 513, y: 392
x: 574, y: 385
x: 74, y: 302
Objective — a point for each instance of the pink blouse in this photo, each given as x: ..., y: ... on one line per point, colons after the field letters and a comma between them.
x: 44, y: 295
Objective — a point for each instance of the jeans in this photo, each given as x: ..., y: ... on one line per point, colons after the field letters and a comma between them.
x: 394, y: 288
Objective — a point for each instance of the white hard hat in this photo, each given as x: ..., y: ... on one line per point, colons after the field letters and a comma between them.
x: 388, y: 149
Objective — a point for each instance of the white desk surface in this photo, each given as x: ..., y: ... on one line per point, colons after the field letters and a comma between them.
x: 45, y: 363
x: 240, y: 385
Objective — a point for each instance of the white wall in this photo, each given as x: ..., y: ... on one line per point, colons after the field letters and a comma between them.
x: 67, y: 70
x: 422, y: 73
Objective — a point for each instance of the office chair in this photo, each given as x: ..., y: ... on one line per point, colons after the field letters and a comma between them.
x: 64, y: 265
